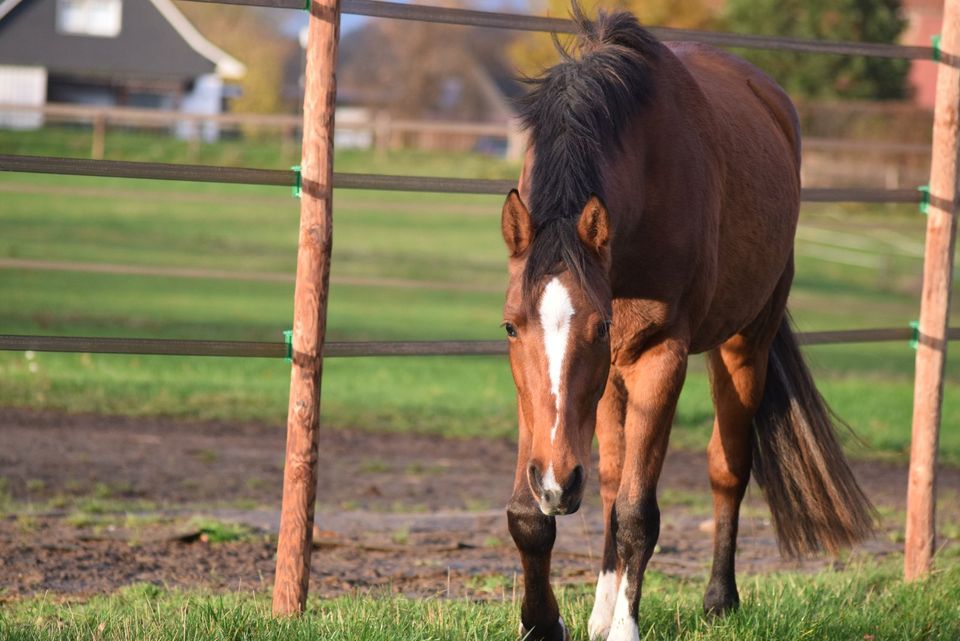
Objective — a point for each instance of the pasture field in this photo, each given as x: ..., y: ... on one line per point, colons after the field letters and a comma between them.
x: 858, y: 603
x: 405, y: 266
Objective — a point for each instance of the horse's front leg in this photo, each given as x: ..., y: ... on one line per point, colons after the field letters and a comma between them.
x: 653, y: 385
x: 534, y: 534
x: 610, y: 417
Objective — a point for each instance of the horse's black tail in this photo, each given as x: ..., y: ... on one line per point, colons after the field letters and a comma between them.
x: 797, y: 460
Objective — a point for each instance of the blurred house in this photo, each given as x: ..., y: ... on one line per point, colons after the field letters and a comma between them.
x: 395, y: 81
x: 136, y: 53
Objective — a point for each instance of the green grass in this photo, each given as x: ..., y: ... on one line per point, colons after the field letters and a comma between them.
x: 858, y: 603
x: 214, y: 531
x: 378, y: 235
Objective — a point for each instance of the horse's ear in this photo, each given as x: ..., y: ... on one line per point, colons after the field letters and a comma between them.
x: 516, y: 224
x: 594, y: 225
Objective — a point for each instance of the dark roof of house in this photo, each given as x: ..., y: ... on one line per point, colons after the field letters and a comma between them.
x: 155, y: 42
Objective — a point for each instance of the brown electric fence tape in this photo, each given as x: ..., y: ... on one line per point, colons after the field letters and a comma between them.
x: 149, y: 170
x: 252, y: 349
x: 241, y: 175
x: 470, y: 18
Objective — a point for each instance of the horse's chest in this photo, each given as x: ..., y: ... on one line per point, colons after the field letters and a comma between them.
x: 636, y: 322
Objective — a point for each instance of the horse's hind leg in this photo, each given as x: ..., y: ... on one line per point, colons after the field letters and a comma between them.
x: 737, y: 373
x: 610, y: 417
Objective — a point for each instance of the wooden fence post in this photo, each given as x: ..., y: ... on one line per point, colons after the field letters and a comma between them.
x: 99, y: 135
x: 935, y: 303
x: 309, y: 311
x: 382, y: 133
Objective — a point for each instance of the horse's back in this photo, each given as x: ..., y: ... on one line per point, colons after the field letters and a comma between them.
x: 738, y: 90
x: 758, y: 134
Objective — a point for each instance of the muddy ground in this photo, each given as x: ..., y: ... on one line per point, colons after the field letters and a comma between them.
x: 89, y: 504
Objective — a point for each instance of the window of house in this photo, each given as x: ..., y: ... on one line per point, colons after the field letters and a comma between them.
x: 89, y: 17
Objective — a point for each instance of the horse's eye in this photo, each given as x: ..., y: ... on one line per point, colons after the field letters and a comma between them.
x: 603, y: 328
x: 511, y: 330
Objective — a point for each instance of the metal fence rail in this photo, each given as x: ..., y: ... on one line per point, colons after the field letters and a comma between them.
x: 334, y: 349
x: 521, y: 22
x: 278, y: 177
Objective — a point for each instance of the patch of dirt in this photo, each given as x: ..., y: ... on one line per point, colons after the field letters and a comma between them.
x: 407, y: 513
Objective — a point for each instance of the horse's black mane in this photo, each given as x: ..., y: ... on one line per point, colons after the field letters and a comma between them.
x: 576, y: 113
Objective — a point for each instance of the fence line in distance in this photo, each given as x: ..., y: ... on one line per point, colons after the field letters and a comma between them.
x: 521, y: 22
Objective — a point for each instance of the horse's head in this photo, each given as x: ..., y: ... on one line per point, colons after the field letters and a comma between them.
x: 557, y: 318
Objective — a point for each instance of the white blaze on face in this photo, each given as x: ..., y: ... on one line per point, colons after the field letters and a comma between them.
x: 549, y: 484
x: 556, y: 310
x: 624, y: 626
x: 603, y: 606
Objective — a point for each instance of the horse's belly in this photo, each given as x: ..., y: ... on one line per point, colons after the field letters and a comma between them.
x: 758, y: 216
x: 750, y: 269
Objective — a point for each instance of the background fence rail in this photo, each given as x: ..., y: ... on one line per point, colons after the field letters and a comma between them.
x: 279, y: 177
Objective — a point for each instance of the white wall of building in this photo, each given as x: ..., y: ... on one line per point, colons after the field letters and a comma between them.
x: 206, y: 98
x: 22, y: 86
x: 354, y: 128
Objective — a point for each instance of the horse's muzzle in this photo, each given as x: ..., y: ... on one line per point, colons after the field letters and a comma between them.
x: 553, y: 498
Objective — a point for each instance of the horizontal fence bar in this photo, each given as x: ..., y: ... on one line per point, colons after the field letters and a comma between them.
x: 425, y: 184
x: 859, y: 195
x: 253, y: 349
x: 520, y: 22
x: 173, y: 347
x: 142, y: 346
x: 241, y: 175
x: 143, y: 117
x: 140, y: 116
x: 840, y: 337
x: 148, y: 170
x: 842, y: 145
x: 416, y: 348
x: 270, y: 4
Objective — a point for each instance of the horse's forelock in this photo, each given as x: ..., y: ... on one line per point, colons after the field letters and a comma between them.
x: 576, y: 113
x: 557, y: 247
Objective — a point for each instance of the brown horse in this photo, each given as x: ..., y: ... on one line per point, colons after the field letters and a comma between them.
x: 655, y: 219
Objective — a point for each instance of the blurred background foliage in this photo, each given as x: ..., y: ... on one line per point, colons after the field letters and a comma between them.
x: 820, y: 76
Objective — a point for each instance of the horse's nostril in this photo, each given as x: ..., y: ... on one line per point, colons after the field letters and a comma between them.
x: 535, y: 478
x: 573, y: 484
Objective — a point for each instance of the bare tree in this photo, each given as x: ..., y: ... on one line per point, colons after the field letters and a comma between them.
x: 418, y: 69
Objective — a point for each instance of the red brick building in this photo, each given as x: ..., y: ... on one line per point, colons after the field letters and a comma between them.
x: 924, y: 19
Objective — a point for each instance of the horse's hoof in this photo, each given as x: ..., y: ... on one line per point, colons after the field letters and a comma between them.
x: 720, y: 599
x: 558, y: 632
x: 598, y: 630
